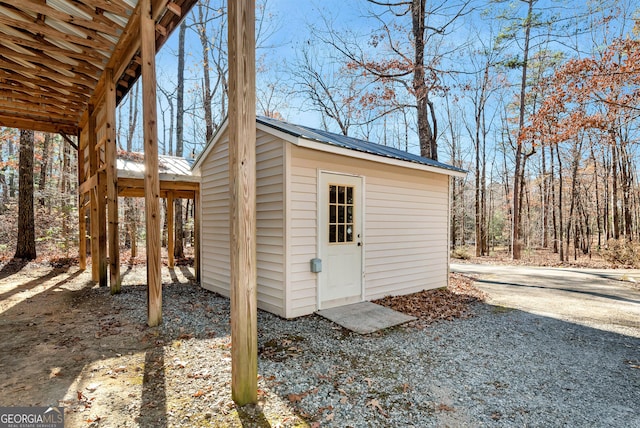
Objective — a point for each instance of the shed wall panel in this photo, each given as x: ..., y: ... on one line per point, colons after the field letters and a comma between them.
x: 405, y: 234
x: 269, y: 221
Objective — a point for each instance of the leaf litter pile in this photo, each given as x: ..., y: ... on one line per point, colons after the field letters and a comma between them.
x: 447, y: 303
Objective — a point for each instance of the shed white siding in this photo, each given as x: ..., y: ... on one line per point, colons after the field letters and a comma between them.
x: 405, y: 233
x: 270, y: 220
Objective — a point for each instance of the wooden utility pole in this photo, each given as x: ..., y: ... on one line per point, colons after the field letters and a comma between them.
x: 151, y: 178
x: 242, y: 188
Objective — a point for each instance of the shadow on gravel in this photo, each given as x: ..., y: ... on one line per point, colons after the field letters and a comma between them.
x: 252, y: 416
x: 153, y: 409
x: 568, y: 290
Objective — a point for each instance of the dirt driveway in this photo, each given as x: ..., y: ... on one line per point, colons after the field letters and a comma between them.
x: 603, y: 299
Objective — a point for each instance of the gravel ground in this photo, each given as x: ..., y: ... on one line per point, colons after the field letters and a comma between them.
x: 500, y: 367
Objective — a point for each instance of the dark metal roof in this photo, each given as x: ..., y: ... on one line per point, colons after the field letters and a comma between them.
x: 351, y: 143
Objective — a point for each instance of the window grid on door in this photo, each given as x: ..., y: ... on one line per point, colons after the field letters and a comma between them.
x: 341, y: 210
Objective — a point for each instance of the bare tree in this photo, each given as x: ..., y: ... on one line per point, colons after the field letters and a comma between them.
x: 414, y: 66
x: 178, y: 250
x: 332, y: 94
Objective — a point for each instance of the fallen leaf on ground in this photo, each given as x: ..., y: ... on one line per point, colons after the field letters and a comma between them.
x: 375, y: 404
x: 444, y: 408
x: 294, y: 398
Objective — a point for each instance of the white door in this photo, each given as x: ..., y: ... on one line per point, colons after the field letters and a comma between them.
x: 340, y: 215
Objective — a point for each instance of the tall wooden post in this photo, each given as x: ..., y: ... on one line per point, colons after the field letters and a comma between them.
x: 170, y: 237
x: 82, y: 234
x: 102, y: 226
x: 82, y: 212
x: 93, y: 196
x: 112, y: 182
x: 242, y: 188
x: 151, y: 178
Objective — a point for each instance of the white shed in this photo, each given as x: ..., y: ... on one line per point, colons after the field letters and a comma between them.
x: 339, y: 220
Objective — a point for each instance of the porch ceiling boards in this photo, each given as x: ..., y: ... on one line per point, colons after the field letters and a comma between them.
x: 53, y: 54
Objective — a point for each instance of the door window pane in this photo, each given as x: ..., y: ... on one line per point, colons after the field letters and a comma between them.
x: 341, y: 214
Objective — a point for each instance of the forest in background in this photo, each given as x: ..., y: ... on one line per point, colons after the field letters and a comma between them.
x: 538, y: 100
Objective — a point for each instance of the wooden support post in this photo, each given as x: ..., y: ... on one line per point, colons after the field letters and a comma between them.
x: 151, y: 178
x: 93, y: 212
x: 82, y: 212
x: 102, y: 227
x: 242, y: 188
x: 196, y: 234
x: 170, y: 237
x: 112, y: 182
x: 82, y: 234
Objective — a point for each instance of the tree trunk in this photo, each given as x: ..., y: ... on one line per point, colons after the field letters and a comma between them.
x: 206, y: 87
x: 553, y: 202
x: 426, y: 135
x: 614, y: 191
x: 26, y: 243
x: 178, y: 249
x: 597, y: 197
x: 64, y: 192
x: 131, y: 209
x: 12, y: 183
x: 544, y: 200
x: 560, y: 234
x: 627, y: 182
x: 571, y: 221
x: 519, y: 168
x: 44, y: 163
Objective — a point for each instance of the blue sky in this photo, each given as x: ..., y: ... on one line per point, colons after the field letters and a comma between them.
x: 291, y: 18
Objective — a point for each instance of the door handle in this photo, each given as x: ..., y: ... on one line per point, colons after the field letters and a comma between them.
x: 359, y: 244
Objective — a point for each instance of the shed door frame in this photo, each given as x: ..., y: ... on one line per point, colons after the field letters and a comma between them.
x: 324, y: 177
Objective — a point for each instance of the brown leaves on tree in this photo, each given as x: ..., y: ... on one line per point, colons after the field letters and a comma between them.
x: 589, y: 94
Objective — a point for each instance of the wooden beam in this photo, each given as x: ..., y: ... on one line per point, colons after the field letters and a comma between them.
x: 93, y: 212
x: 131, y: 192
x: 174, y: 8
x: 69, y: 140
x: 152, y: 178
x: 85, y: 24
x: 10, y: 121
x: 88, y: 184
x: 98, y: 209
x: 82, y: 234
x: 45, y: 30
x: 170, y: 237
x: 100, y: 192
x: 82, y: 211
x: 164, y: 184
x: 112, y: 182
x: 242, y: 189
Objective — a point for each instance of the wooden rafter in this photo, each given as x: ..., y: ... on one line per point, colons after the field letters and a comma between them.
x: 53, y: 55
